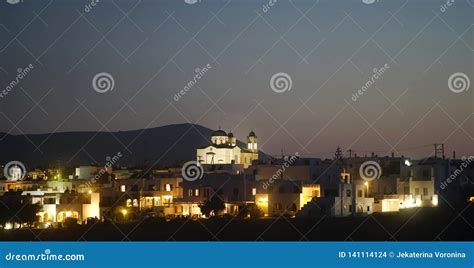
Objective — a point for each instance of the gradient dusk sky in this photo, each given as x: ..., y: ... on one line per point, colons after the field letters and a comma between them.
x: 329, y: 48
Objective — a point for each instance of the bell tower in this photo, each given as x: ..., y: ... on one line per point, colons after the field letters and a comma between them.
x: 252, y: 142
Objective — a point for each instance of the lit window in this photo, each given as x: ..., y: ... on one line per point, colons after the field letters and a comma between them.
x: 168, y: 187
x: 123, y: 188
x: 196, y: 192
x: 254, y: 191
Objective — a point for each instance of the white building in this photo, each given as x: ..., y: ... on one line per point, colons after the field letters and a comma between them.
x: 352, y: 199
x: 224, y: 150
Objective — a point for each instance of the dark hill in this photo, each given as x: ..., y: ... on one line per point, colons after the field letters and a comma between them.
x: 166, y: 145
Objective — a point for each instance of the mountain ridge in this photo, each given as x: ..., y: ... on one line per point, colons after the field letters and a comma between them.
x: 164, y: 145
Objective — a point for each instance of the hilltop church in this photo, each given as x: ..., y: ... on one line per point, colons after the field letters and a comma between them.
x: 224, y: 150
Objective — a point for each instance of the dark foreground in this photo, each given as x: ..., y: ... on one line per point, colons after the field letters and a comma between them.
x: 425, y: 224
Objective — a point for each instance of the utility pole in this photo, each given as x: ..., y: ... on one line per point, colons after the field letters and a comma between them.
x: 350, y: 153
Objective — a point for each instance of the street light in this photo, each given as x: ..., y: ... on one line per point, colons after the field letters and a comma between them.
x: 124, y: 214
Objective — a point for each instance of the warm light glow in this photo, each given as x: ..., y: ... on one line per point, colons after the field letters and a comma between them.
x: 418, y: 202
x: 124, y: 212
x: 263, y: 200
x: 90, y: 192
x: 366, y: 183
x: 471, y: 199
x: 407, y: 162
x: 8, y: 226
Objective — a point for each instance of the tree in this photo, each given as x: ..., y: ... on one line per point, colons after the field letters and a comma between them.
x: 15, y: 208
x: 250, y: 210
x: 213, y: 206
x: 70, y: 222
x: 29, y: 213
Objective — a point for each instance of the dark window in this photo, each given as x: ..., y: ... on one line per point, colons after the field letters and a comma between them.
x: 426, y: 173
x: 368, y: 208
x: 206, y: 193
x: 348, y: 193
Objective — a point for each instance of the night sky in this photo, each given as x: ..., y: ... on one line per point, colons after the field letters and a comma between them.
x: 329, y: 48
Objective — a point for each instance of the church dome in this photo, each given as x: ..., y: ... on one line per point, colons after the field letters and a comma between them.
x: 230, y: 135
x: 219, y: 133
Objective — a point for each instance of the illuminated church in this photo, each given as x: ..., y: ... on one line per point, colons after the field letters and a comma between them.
x: 224, y: 150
